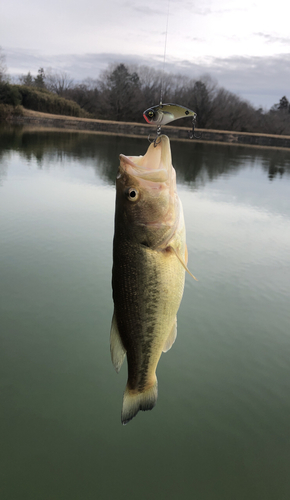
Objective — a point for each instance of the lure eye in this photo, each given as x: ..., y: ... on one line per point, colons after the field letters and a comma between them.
x: 132, y: 194
x: 151, y: 113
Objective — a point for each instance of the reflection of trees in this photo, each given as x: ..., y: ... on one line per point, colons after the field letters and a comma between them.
x: 7, y: 142
x: 274, y: 171
x: 196, y: 163
x: 277, y: 165
x: 199, y: 163
x: 3, y: 170
x: 94, y: 151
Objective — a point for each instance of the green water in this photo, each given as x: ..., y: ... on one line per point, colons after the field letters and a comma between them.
x: 221, y: 427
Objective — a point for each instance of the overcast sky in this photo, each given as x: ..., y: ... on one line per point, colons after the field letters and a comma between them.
x: 243, y: 44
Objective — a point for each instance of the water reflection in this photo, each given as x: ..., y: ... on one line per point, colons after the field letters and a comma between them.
x: 275, y: 171
x: 196, y: 163
x: 223, y: 412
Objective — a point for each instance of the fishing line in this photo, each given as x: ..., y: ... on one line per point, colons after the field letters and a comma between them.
x: 165, y: 45
x: 166, y: 113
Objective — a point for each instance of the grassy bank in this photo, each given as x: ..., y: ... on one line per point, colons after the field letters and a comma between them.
x: 37, y: 99
x: 36, y: 119
x: 8, y: 112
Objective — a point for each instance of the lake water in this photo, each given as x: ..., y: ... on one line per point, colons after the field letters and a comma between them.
x: 221, y: 427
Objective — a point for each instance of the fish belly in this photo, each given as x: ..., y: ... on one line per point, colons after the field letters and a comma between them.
x: 147, y: 290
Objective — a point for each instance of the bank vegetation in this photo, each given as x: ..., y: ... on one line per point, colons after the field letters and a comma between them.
x: 123, y: 92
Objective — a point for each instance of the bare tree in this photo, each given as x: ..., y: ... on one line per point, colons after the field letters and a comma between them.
x: 58, y: 82
x: 121, y: 94
x: 3, y: 67
x: 26, y: 79
x: 283, y: 105
x: 86, y: 95
x: 150, y: 85
x: 39, y: 79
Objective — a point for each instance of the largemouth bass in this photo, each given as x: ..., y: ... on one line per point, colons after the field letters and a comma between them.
x: 149, y: 262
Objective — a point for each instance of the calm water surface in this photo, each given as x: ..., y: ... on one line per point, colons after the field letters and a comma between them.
x: 221, y: 427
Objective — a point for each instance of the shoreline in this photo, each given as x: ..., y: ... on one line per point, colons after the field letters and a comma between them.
x: 35, y: 119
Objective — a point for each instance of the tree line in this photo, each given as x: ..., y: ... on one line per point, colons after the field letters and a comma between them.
x: 123, y: 92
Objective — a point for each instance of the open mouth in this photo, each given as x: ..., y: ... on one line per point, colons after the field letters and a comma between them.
x: 155, y: 165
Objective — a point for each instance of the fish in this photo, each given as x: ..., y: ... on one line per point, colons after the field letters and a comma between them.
x: 149, y: 263
x: 166, y: 113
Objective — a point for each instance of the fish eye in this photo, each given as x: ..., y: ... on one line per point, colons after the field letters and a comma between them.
x: 132, y: 194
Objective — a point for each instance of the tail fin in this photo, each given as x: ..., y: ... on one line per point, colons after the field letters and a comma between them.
x: 133, y: 402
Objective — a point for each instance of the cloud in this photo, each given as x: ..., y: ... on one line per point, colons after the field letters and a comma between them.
x: 261, y: 80
x: 144, y: 9
x: 196, y: 39
x: 273, y: 38
x: 203, y: 10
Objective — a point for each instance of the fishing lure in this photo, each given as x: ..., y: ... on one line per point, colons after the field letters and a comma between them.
x: 162, y: 114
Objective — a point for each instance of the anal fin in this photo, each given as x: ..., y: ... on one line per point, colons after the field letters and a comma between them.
x: 118, y: 352
x: 171, y: 337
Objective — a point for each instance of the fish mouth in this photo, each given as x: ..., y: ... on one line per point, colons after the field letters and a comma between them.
x: 154, y: 166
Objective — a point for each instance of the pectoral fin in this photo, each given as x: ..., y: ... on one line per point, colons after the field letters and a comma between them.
x: 171, y: 337
x: 186, y: 255
x: 118, y: 351
x: 182, y: 261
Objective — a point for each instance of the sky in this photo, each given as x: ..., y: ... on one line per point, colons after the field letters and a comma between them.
x: 243, y: 45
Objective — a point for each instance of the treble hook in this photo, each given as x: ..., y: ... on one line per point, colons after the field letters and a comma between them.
x: 192, y: 134
x: 158, y: 133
